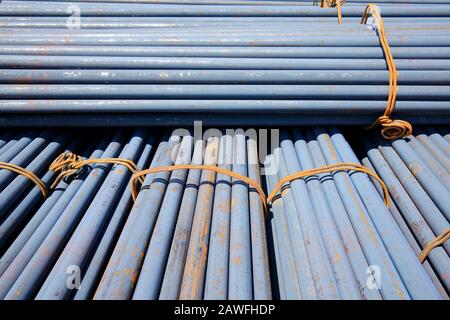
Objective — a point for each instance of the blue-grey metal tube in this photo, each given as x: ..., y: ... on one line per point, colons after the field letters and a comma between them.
x: 240, y: 278
x: 224, y: 52
x: 369, y: 237
x: 109, y: 238
x: 111, y: 9
x: 81, y: 244
x: 173, y: 274
x: 323, y: 275
x: 349, y: 288
x: 33, y: 274
x: 192, y: 286
x: 125, y: 268
x: 145, y: 39
x: 30, y: 238
x: 217, y: 270
x: 262, y: 289
x: 434, y: 187
x: 131, y: 220
x: 24, y: 209
x: 301, y: 264
x: 123, y: 76
x: 287, y: 272
x: 416, y: 280
x: 283, y: 92
x: 410, y: 213
x: 18, y: 184
x: 422, y: 200
x: 344, y: 225
x: 152, y: 270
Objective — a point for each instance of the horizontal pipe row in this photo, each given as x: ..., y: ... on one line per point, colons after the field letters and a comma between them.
x: 196, y: 24
x: 226, y: 52
x: 243, y: 2
x: 135, y: 9
x: 132, y: 39
x: 126, y: 76
x: 282, y: 92
x: 28, y: 61
x: 163, y: 118
x: 292, y: 63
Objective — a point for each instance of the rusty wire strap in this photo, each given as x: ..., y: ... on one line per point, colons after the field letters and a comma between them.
x: 334, y: 3
x: 223, y: 171
x: 28, y: 174
x: 438, y: 241
x: 68, y: 164
x: 266, y: 201
x: 391, y: 129
x: 343, y: 166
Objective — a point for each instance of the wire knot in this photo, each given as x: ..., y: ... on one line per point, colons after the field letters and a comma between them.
x: 66, y: 160
x: 69, y: 163
x: 392, y: 128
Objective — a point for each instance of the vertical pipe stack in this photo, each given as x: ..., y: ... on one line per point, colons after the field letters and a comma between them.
x: 356, y: 240
x: 198, y: 234
x: 416, y: 171
x: 33, y: 150
x: 194, y: 257
x: 90, y: 227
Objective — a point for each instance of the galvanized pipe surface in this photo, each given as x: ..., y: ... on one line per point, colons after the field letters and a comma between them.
x: 110, y: 236
x: 193, y: 63
x: 411, y: 215
x: 120, y: 76
x: 175, y: 10
x: 80, y: 245
x: 25, y: 286
x: 43, y: 220
x: 337, y: 200
x: 203, y: 54
x: 119, y: 280
x: 224, y: 52
x: 291, y: 118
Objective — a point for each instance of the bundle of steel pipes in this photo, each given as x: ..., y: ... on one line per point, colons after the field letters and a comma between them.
x: 198, y: 234
x: 189, y: 235
x: 116, y: 64
x: 333, y: 235
x: 416, y: 172
x: 32, y: 150
x: 97, y: 190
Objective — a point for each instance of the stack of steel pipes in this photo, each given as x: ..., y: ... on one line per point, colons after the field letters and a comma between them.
x: 97, y: 232
x: 32, y: 150
x: 416, y: 171
x: 92, y: 197
x: 333, y: 236
x: 189, y: 235
x: 198, y: 234
x: 81, y: 63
